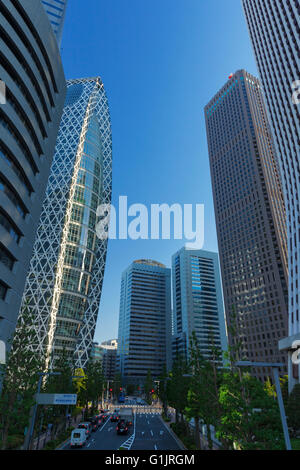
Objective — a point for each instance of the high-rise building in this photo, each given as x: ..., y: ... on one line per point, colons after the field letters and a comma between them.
x: 56, y: 11
x: 274, y: 28
x: 64, y: 282
x: 106, y: 353
x: 32, y: 73
x: 197, y: 304
x: 144, y: 341
x: 250, y: 218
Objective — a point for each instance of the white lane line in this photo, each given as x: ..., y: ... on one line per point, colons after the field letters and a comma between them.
x: 151, y: 433
x: 155, y: 446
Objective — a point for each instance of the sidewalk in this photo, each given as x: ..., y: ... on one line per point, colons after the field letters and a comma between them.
x: 46, y: 436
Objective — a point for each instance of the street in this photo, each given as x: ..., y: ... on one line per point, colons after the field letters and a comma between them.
x: 149, y: 432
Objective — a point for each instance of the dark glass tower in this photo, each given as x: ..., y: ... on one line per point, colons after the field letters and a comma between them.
x: 250, y: 218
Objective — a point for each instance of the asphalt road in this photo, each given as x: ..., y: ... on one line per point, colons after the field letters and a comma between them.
x: 150, y: 434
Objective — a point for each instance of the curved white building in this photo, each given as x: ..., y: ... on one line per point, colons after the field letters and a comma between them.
x: 64, y: 283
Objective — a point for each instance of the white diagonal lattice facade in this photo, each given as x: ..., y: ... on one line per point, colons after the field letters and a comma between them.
x: 64, y: 283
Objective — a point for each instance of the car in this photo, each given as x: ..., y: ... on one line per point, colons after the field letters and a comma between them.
x: 95, y: 423
x: 114, y: 417
x: 87, y: 426
x: 122, y: 428
x: 78, y: 438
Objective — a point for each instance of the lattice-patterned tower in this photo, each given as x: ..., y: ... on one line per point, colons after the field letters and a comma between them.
x: 64, y: 283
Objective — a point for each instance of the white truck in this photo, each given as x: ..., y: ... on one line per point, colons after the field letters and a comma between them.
x: 126, y: 414
x: 78, y: 438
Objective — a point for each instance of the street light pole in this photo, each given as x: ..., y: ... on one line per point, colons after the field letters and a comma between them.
x: 275, y: 367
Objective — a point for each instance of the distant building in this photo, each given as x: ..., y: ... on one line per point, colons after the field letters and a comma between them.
x: 275, y: 33
x: 144, y: 341
x: 197, y: 303
x: 32, y: 72
x: 106, y: 352
x: 250, y: 219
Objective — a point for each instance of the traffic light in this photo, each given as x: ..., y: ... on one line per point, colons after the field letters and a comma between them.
x: 110, y: 389
x: 152, y: 391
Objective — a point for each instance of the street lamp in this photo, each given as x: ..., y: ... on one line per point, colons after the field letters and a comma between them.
x: 275, y: 367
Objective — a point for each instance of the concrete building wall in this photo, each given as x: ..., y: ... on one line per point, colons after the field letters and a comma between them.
x: 30, y: 67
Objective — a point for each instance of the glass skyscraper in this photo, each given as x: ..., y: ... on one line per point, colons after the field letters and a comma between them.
x: 32, y: 72
x: 250, y: 219
x: 56, y: 11
x: 197, y: 303
x: 64, y: 283
x: 144, y: 341
x: 274, y: 28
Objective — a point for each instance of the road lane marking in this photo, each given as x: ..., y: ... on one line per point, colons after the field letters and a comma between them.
x: 151, y: 433
x: 155, y: 446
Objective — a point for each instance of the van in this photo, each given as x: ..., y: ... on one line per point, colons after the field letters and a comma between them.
x: 78, y: 437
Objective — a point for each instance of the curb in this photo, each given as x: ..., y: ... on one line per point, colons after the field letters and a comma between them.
x: 181, y: 445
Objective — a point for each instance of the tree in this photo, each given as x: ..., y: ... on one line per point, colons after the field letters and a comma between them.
x: 93, y: 384
x: 178, y: 386
x: 293, y: 410
x: 148, y: 387
x: 203, y: 395
x: 251, y: 418
x: 20, y: 377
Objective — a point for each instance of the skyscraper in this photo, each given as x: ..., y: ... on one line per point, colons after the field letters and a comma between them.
x: 64, y: 282
x: 274, y: 31
x: 56, y: 11
x: 31, y: 70
x: 197, y: 303
x: 144, y: 341
x: 250, y: 218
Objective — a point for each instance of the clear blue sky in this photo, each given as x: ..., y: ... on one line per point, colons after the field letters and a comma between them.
x: 161, y: 61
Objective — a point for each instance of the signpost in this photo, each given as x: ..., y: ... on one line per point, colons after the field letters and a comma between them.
x: 56, y: 398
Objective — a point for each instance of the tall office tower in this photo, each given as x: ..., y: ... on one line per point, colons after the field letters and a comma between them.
x: 56, y: 11
x: 64, y: 282
x: 31, y: 70
x: 197, y: 304
x: 106, y: 352
x: 274, y: 30
x: 144, y: 341
x: 250, y: 218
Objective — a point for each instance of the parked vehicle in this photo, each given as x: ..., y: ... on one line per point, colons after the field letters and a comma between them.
x: 122, y: 428
x: 78, y: 437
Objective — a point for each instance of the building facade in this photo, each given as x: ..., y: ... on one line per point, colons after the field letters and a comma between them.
x: 63, y: 287
x: 250, y: 219
x: 106, y: 352
x: 144, y: 341
x: 274, y: 30
x: 56, y: 12
x: 197, y: 304
x: 32, y: 73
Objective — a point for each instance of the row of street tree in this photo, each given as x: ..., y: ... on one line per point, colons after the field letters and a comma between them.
x: 20, y: 375
x: 242, y: 410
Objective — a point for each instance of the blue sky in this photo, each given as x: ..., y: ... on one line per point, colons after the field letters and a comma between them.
x: 161, y: 61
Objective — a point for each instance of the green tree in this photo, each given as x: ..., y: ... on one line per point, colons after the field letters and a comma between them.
x: 148, y: 386
x: 177, y: 386
x: 250, y: 417
x: 293, y: 410
x: 20, y: 378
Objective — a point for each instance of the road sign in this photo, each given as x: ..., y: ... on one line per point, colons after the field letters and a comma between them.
x: 56, y: 398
